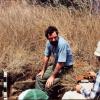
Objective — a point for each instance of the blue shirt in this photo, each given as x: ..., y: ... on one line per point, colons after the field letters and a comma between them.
x: 61, y: 53
x: 96, y: 88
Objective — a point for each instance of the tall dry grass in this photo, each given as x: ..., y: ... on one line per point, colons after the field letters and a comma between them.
x: 22, y: 38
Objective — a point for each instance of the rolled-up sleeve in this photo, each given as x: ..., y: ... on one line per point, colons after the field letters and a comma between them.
x: 69, y: 56
x: 65, y: 54
x: 62, y: 53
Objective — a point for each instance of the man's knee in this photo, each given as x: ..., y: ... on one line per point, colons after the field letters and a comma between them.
x: 38, y: 78
x: 68, y: 69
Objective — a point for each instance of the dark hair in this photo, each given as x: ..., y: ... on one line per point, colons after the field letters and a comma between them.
x: 50, y: 30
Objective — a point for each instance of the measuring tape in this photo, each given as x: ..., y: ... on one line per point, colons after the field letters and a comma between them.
x: 4, y: 92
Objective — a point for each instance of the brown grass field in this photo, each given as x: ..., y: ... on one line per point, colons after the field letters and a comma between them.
x: 22, y: 39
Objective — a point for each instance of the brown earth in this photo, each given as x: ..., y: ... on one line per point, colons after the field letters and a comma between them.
x: 18, y: 82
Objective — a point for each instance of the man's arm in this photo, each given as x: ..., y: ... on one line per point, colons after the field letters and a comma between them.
x: 96, y: 87
x: 45, y: 64
x: 58, y: 67
x: 50, y: 81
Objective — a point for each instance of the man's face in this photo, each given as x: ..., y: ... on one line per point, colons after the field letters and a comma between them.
x: 53, y: 38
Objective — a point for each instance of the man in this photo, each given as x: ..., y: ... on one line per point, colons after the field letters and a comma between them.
x: 59, y: 48
x: 96, y: 88
x: 89, y: 91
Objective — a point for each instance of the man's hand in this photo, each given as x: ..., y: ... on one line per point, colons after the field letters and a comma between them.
x: 41, y: 74
x: 78, y: 88
x: 92, y: 73
x: 49, y: 82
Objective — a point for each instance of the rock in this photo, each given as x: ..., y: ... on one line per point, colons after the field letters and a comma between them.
x: 12, y: 98
x: 23, y: 85
x: 20, y: 86
x: 14, y: 92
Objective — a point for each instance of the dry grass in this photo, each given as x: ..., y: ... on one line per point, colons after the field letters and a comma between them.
x: 22, y: 33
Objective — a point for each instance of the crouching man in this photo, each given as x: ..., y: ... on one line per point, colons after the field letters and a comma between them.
x: 89, y: 90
